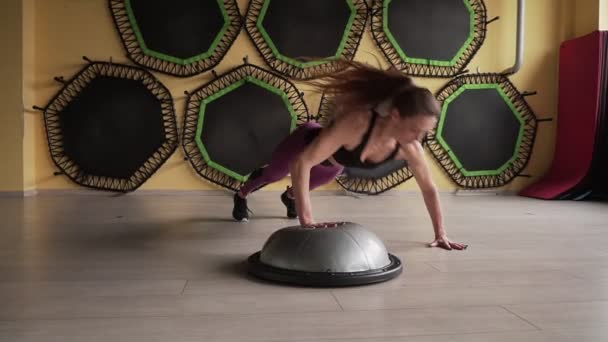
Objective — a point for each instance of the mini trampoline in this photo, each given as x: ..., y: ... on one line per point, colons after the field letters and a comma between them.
x: 338, y: 254
x: 111, y: 127
x: 366, y: 181
x: 179, y: 37
x: 234, y: 122
x: 302, y: 39
x: 486, y: 131
x: 429, y: 37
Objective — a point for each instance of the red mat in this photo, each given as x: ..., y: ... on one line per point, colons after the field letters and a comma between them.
x: 578, y: 106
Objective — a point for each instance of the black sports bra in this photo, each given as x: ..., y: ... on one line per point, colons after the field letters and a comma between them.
x: 352, y: 158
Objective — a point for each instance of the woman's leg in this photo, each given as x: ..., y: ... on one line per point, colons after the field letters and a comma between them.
x: 277, y: 169
x: 283, y: 155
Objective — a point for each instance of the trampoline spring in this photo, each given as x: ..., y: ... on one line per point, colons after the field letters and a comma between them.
x: 460, y: 73
x: 492, y: 20
x: 376, y: 11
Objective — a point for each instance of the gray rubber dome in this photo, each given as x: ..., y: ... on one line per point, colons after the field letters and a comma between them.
x: 345, y: 248
x: 342, y: 254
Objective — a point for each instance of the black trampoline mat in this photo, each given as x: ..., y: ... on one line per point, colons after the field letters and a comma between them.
x: 429, y: 29
x: 242, y: 128
x: 377, y: 172
x: 112, y: 127
x: 311, y: 28
x: 481, y: 129
x: 179, y: 28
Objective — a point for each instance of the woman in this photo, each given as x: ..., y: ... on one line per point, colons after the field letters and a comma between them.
x: 379, y: 115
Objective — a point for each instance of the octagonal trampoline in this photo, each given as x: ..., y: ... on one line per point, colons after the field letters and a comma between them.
x: 486, y: 131
x: 234, y: 122
x: 179, y: 37
x: 302, y: 39
x: 369, y: 181
x: 429, y: 37
x: 111, y: 127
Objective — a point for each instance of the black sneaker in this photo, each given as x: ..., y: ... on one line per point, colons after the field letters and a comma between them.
x: 240, y: 212
x: 290, y: 204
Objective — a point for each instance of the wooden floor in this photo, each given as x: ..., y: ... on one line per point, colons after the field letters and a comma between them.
x: 171, y: 268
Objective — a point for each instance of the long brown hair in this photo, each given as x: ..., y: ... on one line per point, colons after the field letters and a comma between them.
x: 359, y: 86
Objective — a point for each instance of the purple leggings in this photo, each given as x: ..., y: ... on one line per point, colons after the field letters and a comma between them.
x: 287, y: 151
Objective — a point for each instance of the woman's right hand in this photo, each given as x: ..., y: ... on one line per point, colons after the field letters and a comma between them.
x: 304, y: 222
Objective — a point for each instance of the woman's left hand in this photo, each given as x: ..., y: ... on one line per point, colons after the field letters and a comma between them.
x: 445, y: 243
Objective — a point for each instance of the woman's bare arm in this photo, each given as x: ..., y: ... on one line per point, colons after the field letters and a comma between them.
x: 414, y: 154
x: 340, y: 133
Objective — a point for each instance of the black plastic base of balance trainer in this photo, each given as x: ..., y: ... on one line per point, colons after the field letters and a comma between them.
x: 324, y: 279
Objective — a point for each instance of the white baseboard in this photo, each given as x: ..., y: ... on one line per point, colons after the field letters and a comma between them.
x: 221, y: 192
x: 484, y: 192
x: 26, y: 193
x: 102, y: 193
x: 212, y: 192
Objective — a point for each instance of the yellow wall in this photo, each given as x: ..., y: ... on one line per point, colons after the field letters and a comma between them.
x: 586, y: 16
x: 603, y: 8
x: 11, y: 121
x: 65, y: 30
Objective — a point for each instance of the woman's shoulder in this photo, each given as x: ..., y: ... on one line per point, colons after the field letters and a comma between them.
x: 353, y: 120
x: 347, y: 128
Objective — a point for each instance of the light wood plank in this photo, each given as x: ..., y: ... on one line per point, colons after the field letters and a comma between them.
x: 586, y: 335
x: 276, y: 327
x: 464, y: 296
x: 41, y: 307
x: 91, y: 288
x: 564, y: 315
